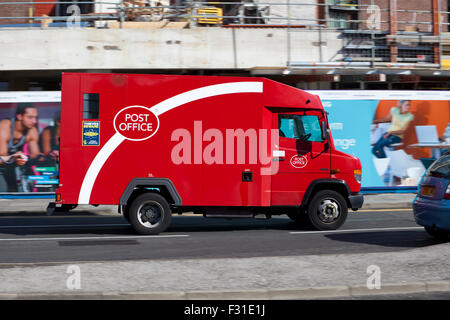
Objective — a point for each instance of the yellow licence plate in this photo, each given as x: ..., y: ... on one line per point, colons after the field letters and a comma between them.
x: 427, y: 191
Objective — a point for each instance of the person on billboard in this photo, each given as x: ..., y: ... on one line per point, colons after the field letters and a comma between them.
x: 49, y: 141
x: 400, y: 118
x: 14, y: 134
x: 446, y: 135
x: 18, y: 158
x: 445, y: 138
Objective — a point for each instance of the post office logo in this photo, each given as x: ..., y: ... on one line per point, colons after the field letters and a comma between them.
x: 299, y: 161
x: 136, y: 123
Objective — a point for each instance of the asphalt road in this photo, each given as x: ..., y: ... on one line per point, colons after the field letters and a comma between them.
x: 75, y: 238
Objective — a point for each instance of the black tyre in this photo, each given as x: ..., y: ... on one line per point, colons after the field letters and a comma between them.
x: 299, y: 216
x: 327, y: 210
x: 52, y: 208
x: 126, y: 213
x: 150, y: 214
x: 68, y: 207
x: 438, y: 234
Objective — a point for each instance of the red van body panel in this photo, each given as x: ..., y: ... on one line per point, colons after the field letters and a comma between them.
x: 97, y: 162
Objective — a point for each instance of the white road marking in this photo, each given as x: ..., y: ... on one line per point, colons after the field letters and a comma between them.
x: 96, y: 238
x: 66, y: 226
x: 381, y: 210
x: 358, y: 230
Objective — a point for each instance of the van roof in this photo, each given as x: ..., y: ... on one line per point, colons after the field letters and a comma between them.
x: 276, y: 94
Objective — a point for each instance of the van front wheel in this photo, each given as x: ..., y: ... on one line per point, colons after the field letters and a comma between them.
x: 438, y: 234
x: 327, y: 210
x: 299, y: 216
x: 150, y: 214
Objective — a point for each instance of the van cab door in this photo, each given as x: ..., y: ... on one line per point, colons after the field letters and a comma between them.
x: 303, y: 154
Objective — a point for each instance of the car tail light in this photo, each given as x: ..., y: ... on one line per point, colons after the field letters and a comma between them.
x: 447, y: 192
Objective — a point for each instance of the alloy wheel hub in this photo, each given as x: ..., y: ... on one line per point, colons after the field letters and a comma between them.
x: 149, y: 215
x: 328, y: 211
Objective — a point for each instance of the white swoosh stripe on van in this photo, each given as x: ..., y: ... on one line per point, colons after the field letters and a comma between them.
x: 158, y: 109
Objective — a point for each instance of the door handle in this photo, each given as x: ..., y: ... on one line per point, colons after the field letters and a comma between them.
x: 247, y: 176
x: 278, y: 155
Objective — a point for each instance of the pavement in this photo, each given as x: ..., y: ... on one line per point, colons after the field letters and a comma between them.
x: 305, y: 277
x: 425, y: 269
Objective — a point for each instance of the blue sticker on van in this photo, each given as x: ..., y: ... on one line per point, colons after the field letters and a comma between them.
x: 91, y: 133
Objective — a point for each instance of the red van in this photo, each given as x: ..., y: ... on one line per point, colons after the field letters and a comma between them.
x: 218, y: 146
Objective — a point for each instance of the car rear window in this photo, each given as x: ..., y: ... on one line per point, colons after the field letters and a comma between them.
x: 440, y: 168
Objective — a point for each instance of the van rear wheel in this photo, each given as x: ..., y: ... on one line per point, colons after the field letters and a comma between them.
x: 327, y: 210
x: 150, y: 214
x: 126, y: 213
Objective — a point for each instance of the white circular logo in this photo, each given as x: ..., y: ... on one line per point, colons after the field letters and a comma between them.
x: 136, y: 123
x: 299, y: 161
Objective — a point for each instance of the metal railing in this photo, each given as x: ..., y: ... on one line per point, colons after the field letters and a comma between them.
x: 371, y: 34
x: 242, y: 13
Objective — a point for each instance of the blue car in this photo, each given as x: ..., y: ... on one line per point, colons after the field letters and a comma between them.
x: 432, y: 203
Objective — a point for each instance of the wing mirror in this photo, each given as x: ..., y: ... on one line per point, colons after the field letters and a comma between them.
x: 324, y: 129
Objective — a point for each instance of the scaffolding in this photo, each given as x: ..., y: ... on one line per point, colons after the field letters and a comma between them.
x: 394, y: 36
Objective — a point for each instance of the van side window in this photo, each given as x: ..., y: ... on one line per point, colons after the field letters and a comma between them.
x: 311, y: 124
x: 91, y: 102
x: 298, y: 126
x: 289, y: 126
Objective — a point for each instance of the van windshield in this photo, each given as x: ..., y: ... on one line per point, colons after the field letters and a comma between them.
x: 440, y: 168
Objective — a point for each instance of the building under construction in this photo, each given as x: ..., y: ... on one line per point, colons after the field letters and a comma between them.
x: 311, y: 44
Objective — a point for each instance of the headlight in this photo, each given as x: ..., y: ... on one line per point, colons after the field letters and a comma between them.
x: 358, y: 175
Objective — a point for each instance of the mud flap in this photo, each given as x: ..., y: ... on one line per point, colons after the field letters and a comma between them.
x: 51, y: 208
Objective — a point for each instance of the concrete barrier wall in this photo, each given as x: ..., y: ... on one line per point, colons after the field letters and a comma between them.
x: 200, y: 48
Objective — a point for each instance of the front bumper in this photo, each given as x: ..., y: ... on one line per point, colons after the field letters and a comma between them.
x: 356, y: 201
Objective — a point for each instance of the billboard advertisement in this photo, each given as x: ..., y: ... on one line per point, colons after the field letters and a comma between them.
x: 29, y: 141
x: 396, y: 134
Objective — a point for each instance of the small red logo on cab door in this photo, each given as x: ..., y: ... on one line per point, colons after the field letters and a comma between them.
x: 299, y: 161
x: 136, y: 123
